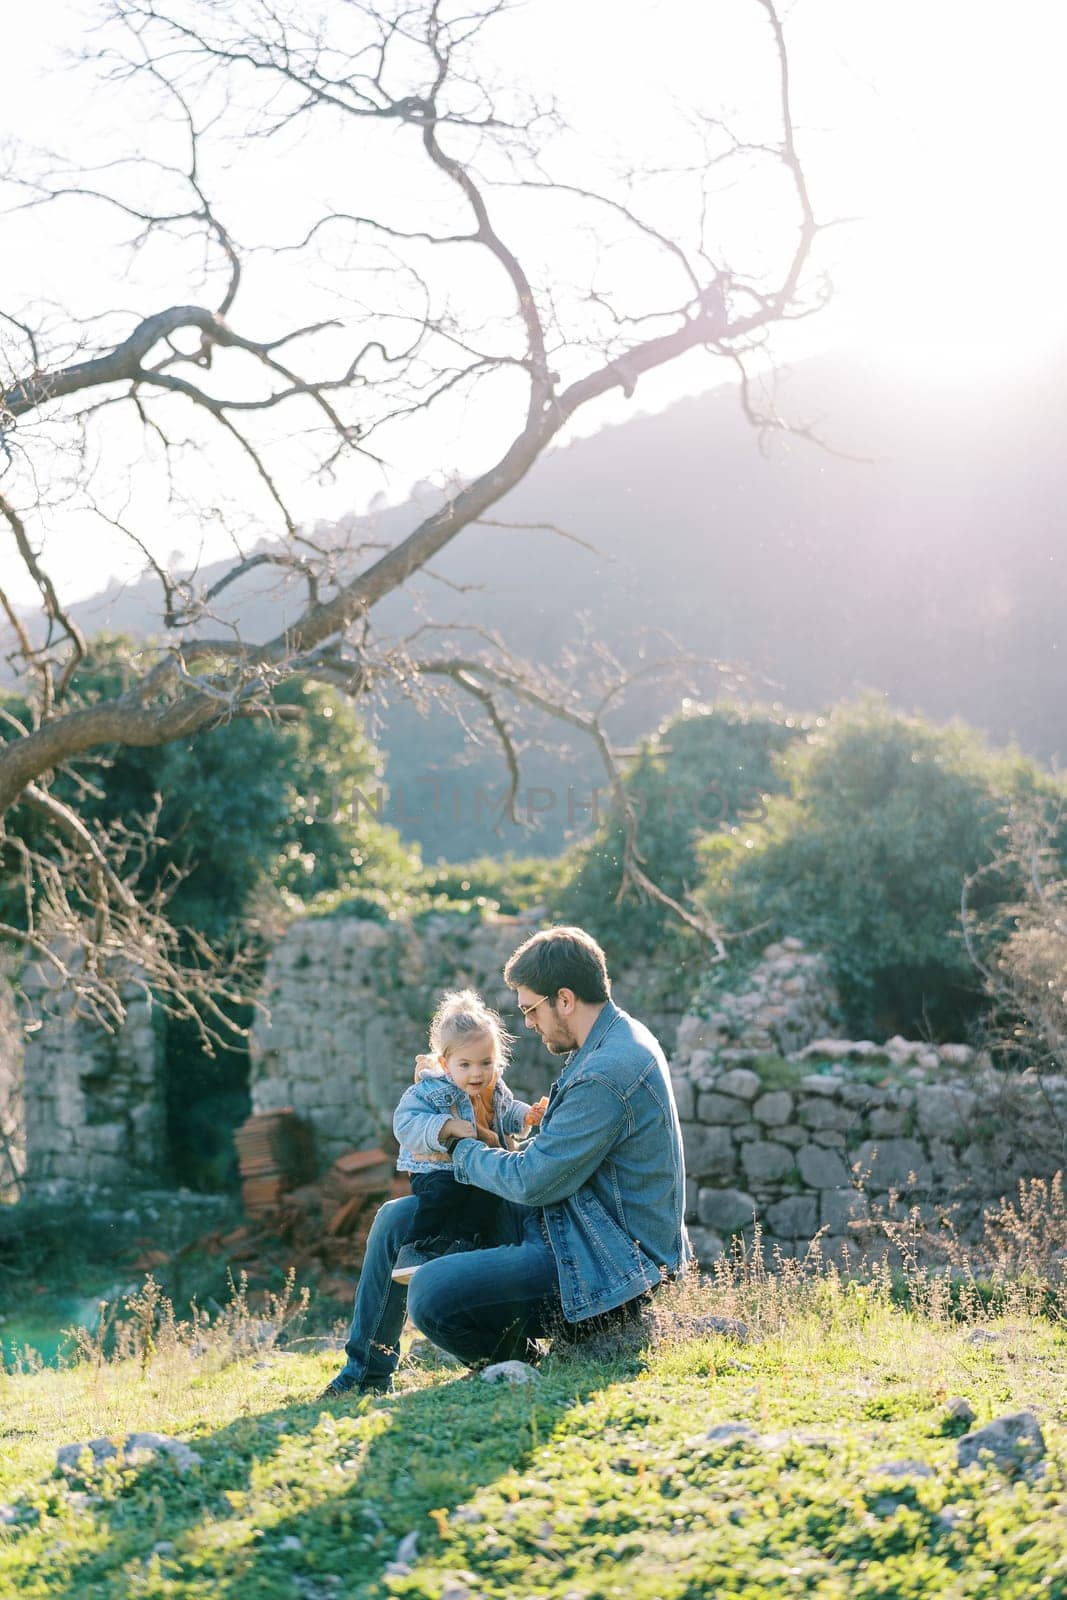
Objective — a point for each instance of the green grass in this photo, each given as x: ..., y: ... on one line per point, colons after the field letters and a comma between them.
x: 595, y: 1482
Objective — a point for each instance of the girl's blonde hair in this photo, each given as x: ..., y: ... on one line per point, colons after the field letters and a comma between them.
x: 462, y: 1015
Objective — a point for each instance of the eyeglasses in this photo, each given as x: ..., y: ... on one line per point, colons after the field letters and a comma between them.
x: 526, y: 1010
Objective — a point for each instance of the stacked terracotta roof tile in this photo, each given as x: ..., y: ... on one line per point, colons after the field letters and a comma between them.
x: 274, y: 1155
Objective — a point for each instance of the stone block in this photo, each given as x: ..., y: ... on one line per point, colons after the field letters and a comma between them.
x: 766, y: 1162
x: 821, y: 1168
x: 726, y: 1210
x: 69, y: 1101
x: 840, y: 1207
x: 98, y: 1166
x: 830, y: 1138
x: 146, y: 1123
x: 697, y: 1033
x: 844, y: 1253
x: 819, y: 1113
x: 776, y: 1250
x: 944, y: 1158
x: 50, y: 1139
x: 269, y: 1094
x: 944, y: 1112
x: 774, y: 1108
x: 793, y: 1135
x: 894, y: 1164
x: 816, y: 1083
x: 827, y: 1050
x: 692, y: 1195
x: 900, y: 1048
x: 684, y: 1099
x: 886, y: 1122
x: 744, y: 1132
x: 707, y: 1246
x: 742, y: 1056
x: 709, y: 1152
x: 741, y: 1082
x: 956, y: 1055
x: 795, y: 1217
x: 720, y: 1108
x: 861, y: 1095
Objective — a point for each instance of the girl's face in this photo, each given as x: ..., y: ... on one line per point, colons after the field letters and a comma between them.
x: 472, y: 1064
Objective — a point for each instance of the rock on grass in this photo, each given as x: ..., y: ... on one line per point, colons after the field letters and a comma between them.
x: 510, y: 1372
x: 136, y: 1449
x: 1013, y: 1443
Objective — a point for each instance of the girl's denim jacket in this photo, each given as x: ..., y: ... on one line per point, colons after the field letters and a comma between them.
x: 606, y: 1169
x: 425, y: 1106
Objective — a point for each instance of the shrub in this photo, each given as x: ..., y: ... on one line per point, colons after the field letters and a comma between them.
x: 703, y: 771
x: 1021, y: 950
x: 866, y: 855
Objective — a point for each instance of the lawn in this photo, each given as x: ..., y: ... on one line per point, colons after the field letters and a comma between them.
x: 604, y: 1477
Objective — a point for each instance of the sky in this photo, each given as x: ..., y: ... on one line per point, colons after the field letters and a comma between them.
x: 928, y: 127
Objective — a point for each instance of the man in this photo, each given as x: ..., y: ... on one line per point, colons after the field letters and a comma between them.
x: 598, y: 1197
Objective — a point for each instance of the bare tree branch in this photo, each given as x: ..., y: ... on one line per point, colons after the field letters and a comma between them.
x: 373, y: 330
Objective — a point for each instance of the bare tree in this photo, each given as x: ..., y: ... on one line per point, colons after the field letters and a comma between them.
x: 470, y: 256
x: 1020, y: 951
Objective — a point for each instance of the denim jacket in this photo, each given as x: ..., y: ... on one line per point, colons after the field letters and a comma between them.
x: 606, y: 1168
x: 425, y: 1105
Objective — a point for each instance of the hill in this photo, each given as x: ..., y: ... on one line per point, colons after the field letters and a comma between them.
x: 932, y: 570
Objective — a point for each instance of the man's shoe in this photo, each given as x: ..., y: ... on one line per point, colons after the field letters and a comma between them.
x: 376, y: 1385
x: 348, y: 1383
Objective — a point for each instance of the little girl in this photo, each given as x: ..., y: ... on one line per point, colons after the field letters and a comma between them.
x: 460, y: 1081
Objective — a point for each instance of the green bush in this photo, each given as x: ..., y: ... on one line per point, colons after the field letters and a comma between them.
x: 705, y: 770
x: 250, y: 804
x: 253, y: 813
x: 865, y: 858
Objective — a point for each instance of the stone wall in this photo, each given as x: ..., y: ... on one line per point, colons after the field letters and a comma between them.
x: 841, y: 1136
x: 12, y: 1115
x: 782, y: 1121
x: 349, y: 1004
x: 783, y: 1002
x: 93, y: 1100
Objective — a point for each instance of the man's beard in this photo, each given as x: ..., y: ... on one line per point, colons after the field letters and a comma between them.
x: 560, y: 1047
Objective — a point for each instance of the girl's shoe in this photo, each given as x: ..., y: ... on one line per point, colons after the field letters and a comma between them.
x: 408, y: 1262
x: 411, y: 1257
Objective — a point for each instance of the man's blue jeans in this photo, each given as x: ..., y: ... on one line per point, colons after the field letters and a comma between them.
x: 481, y: 1306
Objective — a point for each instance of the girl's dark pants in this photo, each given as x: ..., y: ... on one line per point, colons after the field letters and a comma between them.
x: 451, y: 1213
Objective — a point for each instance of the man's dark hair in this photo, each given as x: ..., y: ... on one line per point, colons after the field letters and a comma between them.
x: 561, y: 958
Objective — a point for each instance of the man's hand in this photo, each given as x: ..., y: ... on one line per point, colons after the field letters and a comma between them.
x: 456, y: 1128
